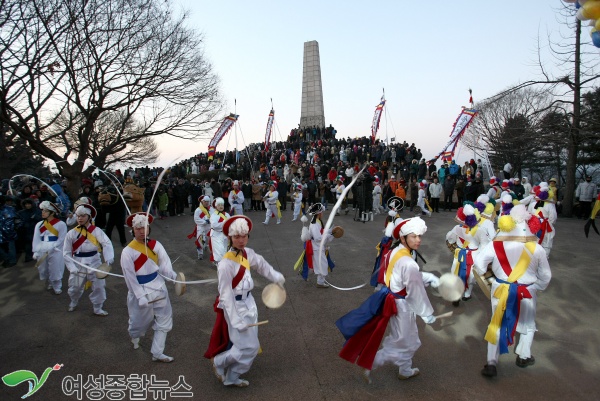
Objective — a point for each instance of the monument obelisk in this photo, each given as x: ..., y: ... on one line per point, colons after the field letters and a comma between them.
x: 312, y: 112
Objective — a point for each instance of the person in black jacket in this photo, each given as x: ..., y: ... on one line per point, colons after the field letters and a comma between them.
x: 116, y: 217
x: 282, y: 189
x: 27, y: 218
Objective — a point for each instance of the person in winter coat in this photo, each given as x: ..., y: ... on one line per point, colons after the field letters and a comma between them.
x: 435, y: 189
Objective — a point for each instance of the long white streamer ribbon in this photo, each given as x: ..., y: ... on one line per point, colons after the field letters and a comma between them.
x: 91, y: 268
x: 329, y: 223
x: 348, y: 288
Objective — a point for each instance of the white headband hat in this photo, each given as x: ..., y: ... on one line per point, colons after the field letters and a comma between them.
x: 239, y: 227
x: 47, y: 205
x: 82, y: 209
x: 219, y: 201
x: 139, y: 221
x: 415, y: 225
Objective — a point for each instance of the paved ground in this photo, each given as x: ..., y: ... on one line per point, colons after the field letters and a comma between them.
x: 300, y: 342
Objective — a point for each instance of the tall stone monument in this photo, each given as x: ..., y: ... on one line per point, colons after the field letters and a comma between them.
x: 312, y: 112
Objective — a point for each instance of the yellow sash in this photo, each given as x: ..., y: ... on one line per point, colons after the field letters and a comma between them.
x: 89, y: 236
x: 50, y: 228
x: 144, y: 250
x: 501, y: 292
x: 239, y: 259
x: 203, y: 210
x: 390, y: 267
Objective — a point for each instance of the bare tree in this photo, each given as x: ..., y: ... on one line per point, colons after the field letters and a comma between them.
x: 580, y: 69
x: 505, y: 128
x: 71, y: 68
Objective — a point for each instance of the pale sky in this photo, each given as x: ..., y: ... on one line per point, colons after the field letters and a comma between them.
x: 426, y: 56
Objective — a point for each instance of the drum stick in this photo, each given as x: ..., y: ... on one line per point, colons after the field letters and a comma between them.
x: 443, y: 315
x: 160, y: 299
x: 41, y: 260
x: 259, y: 323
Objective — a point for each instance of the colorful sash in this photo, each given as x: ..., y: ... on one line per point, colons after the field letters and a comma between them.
x: 546, y: 227
x: 85, y: 234
x: 390, y: 266
x: 49, y: 226
x: 219, y: 338
x: 144, y: 254
x: 509, y: 294
x: 364, y: 327
x: 383, y: 248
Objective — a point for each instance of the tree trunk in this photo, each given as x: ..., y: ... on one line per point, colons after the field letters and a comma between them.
x: 574, y: 135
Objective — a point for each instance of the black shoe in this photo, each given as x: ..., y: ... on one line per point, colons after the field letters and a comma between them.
x: 489, y: 371
x: 523, y: 363
x: 466, y: 298
x: 455, y: 303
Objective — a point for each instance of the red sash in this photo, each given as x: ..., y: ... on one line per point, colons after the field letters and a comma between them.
x: 139, y: 262
x: 53, y: 222
x: 546, y: 227
x: 82, y: 239
x: 219, y: 338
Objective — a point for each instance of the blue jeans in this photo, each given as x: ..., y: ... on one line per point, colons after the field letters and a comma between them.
x: 8, y: 252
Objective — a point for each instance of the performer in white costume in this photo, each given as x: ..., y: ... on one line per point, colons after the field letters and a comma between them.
x: 202, y: 220
x: 84, y: 244
x: 236, y: 199
x: 48, y: 239
x: 521, y: 269
x: 469, y: 237
x: 144, y: 261
x: 540, y: 205
x: 405, y: 281
x: 218, y: 241
x: 297, y: 196
x: 271, y: 202
x: 317, y: 232
x: 236, y: 303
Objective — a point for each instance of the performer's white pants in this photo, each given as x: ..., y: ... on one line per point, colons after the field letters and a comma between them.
x: 523, y: 348
x: 239, y: 358
x: 401, y: 344
x: 238, y: 209
x: 159, y: 313
x: 52, y: 269
x: 271, y: 209
x: 77, y: 284
x: 297, y: 207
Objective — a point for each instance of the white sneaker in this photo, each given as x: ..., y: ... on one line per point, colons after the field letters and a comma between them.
x: 101, y: 313
x: 278, y: 221
x: 136, y: 343
x: 366, y: 375
x: 57, y: 292
x: 241, y: 383
x: 294, y: 219
x: 412, y: 373
x: 163, y: 358
x: 220, y: 373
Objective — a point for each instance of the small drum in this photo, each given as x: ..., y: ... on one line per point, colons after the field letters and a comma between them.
x: 273, y: 296
x: 337, y: 232
x: 105, y: 267
x: 485, y: 281
x: 180, y: 287
x: 451, y: 287
x: 451, y: 247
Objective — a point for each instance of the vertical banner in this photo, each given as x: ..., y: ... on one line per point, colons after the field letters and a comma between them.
x: 461, y: 124
x: 269, y: 129
x: 221, y: 132
x: 376, y: 118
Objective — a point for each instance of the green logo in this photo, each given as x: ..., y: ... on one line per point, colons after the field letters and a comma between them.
x: 17, y: 377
